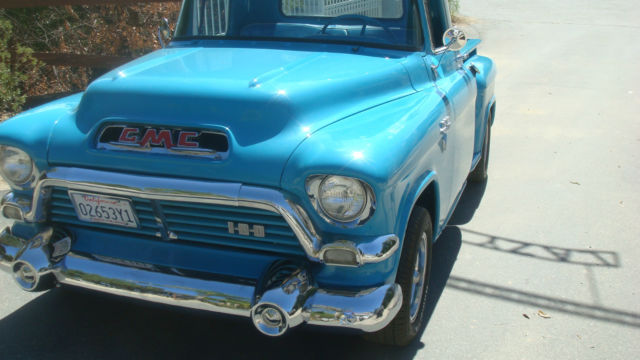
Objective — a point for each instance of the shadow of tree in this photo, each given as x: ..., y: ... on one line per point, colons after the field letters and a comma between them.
x: 602, y: 258
x: 595, y: 312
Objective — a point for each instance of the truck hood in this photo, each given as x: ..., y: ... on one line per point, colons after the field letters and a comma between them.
x: 267, y: 101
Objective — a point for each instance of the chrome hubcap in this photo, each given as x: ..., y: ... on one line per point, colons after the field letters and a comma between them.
x: 418, y: 279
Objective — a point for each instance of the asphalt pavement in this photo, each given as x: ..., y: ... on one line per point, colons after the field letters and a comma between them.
x: 541, y: 262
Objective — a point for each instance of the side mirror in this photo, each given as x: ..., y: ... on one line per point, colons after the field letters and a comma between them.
x: 164, y: 32
x: 454, y: 39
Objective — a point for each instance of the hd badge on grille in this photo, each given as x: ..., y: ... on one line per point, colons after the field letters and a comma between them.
x: 246, y: 229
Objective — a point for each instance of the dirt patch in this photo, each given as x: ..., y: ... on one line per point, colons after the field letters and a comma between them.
x: 464, y: 20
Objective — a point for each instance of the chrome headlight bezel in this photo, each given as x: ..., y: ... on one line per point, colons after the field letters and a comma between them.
x: 25, y: 182
x: 313, y: 185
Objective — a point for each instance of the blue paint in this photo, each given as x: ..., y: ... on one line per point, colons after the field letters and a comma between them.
x: 291, y: 109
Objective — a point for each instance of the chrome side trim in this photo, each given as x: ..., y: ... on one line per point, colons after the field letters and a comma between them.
x: 173, y: 151
x: 182, y: 190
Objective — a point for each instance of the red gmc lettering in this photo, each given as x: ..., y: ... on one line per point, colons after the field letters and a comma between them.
x: 155, y: 138
x: 184, y: 140
x: 129, y: 135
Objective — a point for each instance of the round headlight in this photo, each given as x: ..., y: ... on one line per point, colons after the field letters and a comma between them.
x: 342, y: 198
x: 16, y: 165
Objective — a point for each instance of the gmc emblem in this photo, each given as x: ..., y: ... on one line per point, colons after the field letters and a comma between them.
x: 158, y: 138
x: 163, y: 140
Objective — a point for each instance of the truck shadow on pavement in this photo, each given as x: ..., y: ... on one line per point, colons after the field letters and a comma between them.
x: 468, y: 203
x: 64, y: 323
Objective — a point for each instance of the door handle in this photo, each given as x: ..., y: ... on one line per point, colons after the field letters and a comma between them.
x: 474, y: 69
x: 445, y: 125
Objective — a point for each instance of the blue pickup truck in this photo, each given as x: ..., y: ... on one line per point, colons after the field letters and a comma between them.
x: 287, y: 161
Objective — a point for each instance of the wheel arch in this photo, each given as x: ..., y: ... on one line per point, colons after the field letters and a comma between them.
x: 426, y: 195
x: 428, y: 199
x: 492, y: 111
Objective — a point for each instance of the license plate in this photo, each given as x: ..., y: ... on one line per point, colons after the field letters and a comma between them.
x: 104, y: 209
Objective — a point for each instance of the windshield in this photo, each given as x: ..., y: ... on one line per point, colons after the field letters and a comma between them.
x: 378, y: 23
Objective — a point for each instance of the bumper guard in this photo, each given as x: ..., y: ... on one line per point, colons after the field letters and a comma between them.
x: 274, y: 305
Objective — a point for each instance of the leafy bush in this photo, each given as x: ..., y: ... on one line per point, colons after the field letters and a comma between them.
x: 120, y: 30
x: 17, y: 68
x: 454, y: 6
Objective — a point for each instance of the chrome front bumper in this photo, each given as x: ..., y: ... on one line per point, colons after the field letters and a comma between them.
x: 284, y: 298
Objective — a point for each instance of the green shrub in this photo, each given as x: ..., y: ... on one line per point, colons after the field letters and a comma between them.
x: 127, y: 30
x: 454, y: 6
x: 17, y: 66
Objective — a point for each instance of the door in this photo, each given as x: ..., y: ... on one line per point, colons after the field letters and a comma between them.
x: 459, y: 90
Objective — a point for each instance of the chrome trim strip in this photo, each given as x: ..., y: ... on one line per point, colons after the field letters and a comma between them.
x: 173, y: 151
x: 229, y: 194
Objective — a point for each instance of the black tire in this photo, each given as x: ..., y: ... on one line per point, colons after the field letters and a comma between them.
x: 402, y: 330
x: 481, y: 172
x: 47, y: 282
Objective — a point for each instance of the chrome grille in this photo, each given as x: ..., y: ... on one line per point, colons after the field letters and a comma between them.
x: 192, y: 223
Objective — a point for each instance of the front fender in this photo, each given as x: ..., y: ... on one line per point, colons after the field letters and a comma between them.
x: 392, y: 147
x: 31, y: 130
x: 485, y: 78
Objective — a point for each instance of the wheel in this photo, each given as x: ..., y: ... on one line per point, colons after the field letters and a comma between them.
x: 413, y: 277
x: 481, y: 172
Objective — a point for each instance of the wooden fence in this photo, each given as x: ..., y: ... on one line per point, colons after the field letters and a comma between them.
x: 102, y: 62
x: 13, y: 4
